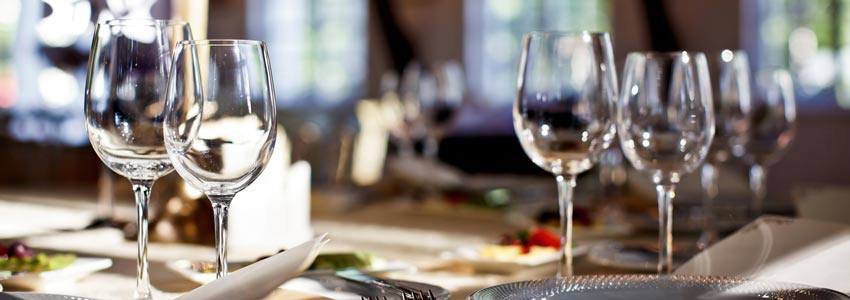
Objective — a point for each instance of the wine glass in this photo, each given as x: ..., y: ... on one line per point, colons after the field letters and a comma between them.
x: 440, y: 112
x: 767, y: 131
x: 220, y: 121
x: 124, y: 100
x: 416, y: 84
x: 731, y: 105
x: 564, y: 111
x: 665, y: 121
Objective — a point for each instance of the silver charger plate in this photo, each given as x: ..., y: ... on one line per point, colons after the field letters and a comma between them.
x: 653, y: 287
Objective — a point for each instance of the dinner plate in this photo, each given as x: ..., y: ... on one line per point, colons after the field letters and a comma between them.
x: 470, y: 255
x: 654, y: 287
x: 631, y: 256
x: 82, y: 266
x: 186, y: 269
x: 38, y: 296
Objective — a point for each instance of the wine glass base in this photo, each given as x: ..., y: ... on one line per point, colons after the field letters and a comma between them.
x: 142, y: 295
x: 637, y: 256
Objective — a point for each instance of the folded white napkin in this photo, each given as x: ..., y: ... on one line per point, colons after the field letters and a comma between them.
x: 261, y: 278
x: 781, y: 249
x: 273, y: 213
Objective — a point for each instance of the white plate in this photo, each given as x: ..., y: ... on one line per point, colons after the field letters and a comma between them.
x: 632, y: 256
x: 81, y: 267
x: 470, y: 255
x: 184, y: 268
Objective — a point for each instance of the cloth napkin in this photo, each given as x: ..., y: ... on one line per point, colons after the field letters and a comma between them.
x: 261, y: 278
x: 781, y: 249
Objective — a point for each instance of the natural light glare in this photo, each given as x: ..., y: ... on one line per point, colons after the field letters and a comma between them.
x: 57, y: 87
x: 726, y: 55
x: 67, y: 22
x: 9, y: 11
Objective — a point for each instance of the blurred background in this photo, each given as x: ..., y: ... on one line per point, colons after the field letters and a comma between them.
x: 330, y: 55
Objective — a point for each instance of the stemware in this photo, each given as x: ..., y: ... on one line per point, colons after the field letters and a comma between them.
x: 731, y: 87
x: 665, y: 121
x: 767, y: 131
x: 124, y: 100
x: 564, y: 111
x: 417, y: 84
x: 220, y: 121
x: 441, y: 111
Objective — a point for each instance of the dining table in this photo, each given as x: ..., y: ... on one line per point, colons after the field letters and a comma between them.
x: 389, y: 229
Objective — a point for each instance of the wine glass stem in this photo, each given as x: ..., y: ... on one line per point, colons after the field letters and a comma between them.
x: 142, y: 191
x: 221, y: 205
x: 432, y: 146
x: 708, y: 178
x: 405, y: 148
x: 666, y: 194
x: 566, y: 184
x: 758, y: 180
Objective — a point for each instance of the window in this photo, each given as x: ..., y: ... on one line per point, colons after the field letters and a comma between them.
x: 494, y: 30
x: 808, y: 37
x: 317, y: 48
x: 44, y: 47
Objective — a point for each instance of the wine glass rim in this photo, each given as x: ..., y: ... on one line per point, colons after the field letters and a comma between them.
x: 144, y: 22
x: 667, y: 54
x: 567, y: 33
x: 221, y: 42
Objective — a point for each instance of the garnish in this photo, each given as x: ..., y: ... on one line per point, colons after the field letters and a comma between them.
x: 534, y: 237
x: 18, y: 257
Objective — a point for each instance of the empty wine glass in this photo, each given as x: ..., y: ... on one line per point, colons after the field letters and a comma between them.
x: 564, y: 111
x: 220, y: 121
x: 665, y: 121
x: 767, y: 131
x: 440, y: 112
x: 731, y: 106
x: 124, y: 100
x: 416, y: 84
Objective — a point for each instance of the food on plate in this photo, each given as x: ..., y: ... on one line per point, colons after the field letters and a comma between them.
x: 327, y: 261
x: 340, y: 261
x: 538, y: 236
x: 524, y: 244
x: 18, y: 257
x: 513, y: 253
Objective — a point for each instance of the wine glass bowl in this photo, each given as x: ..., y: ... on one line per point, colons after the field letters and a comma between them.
x: 770, y: 126
x: 125, y: 95
x: 561, y: 116
x: 441, y: 111
x: 564, y: 111
x: 665, y: 121
x: 220, y: 121
x: 767, y: 131
x: 731, y: 101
